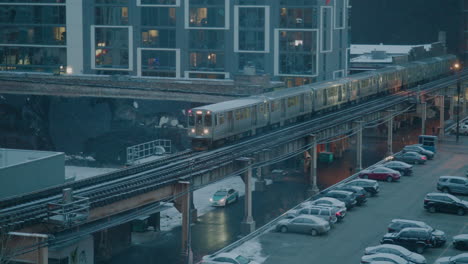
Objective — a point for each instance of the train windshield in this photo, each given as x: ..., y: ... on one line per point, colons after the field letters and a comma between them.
x: 208, y: 119
x: 191, y: 119
x: 198, y: 119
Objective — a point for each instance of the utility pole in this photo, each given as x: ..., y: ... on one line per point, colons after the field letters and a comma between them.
x: 457, y: 68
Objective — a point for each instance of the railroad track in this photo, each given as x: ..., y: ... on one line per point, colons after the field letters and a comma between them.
x: 108, y: 188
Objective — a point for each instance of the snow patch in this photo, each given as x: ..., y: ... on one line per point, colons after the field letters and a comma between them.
x: 251, y: 249
x: 79, y: 173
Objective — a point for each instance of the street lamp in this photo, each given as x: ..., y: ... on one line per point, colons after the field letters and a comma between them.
x: 457, y: 68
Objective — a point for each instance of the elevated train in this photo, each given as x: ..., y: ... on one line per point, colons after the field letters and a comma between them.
x: 212, y: 125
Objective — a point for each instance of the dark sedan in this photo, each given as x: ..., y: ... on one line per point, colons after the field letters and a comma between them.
x: 461, y: 242
x: 410, y: 157
x: 402, y: 167
x: 420, y: 150
x: 361, y: 194
x: 380, y: 173
x: 348, y: 198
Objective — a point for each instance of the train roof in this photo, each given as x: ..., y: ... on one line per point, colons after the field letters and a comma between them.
x: 287, y: 92
x: 230, y: 105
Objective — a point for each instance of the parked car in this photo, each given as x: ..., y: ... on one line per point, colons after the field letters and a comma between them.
x: 361, y: 194
x: 396, y: 250
x: 308, y: 224
x: 444, y: 202
x: 347, y: 197
x: 326, y: 213
x: 329, y: 202
x: 402, y: 167
x: 371, y: 186
x: 223, y: 197
x: 453, y: 184
x: 398, y: 224
x: 410, y: 157
x: 226, y: 258
x: 463, y: 129
x: 458, y: 259
x: 420, y: 150
x: 380, y: 173
x: 460, y: 242
x: 415, y: 239
x: 383, y: 257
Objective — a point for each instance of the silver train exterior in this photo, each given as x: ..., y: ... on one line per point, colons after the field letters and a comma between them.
x: 212, y: 125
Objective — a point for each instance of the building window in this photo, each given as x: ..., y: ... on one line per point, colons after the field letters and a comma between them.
x: 41, y: 59
x: 340, y: 9
x: 251, y: 32
x: 35, y: 1
x: 158, y: 2
x: 39, y: 35
x: 207, y: 61
x: 158, y: 16
x: 326, y: 44
x: 160, y: 63
x: 158, y: 38
x: 111, y: 47
x: 255, y: 60
x: 298, y: 17
x: 201, y: 75
x: 296, y: 53
x: 111, y: 15
x: 207, y: 13
x: 207, y: 39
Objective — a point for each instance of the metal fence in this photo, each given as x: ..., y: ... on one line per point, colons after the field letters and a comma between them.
x: 148, y: 149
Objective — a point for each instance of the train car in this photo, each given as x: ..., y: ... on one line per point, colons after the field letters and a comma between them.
x: 212, y: 125
x: 330, y: 95
x: 390, y: 79
x: 366, y: 84
x: 289, y: 105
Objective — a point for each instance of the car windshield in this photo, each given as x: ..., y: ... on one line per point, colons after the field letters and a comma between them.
x: 220, y: 193
x: 242, y: 260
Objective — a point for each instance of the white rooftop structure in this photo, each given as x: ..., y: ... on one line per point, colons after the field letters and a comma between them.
x: 358, y: 49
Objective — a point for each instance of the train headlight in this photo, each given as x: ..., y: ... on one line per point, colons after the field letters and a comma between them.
x: 193, y: 130
x: 206, y: 131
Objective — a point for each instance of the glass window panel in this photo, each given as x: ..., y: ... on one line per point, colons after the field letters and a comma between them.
x: 207, y: 61
x: 158, y: 38
x: 158, y: 16
x: 42, y: 35
x: 298, y: 52
x: 161, y: 63
x: 298, y: 17
x: 35, y: 1
x: 32, y: 59
x: 111, y: 15
x: 111, y: 47
x: 207, y: 39
x: 252, y: 60
x: 111, y: 2
x: 32, y: 14
x: 207, y: 16
x: 158, y: 2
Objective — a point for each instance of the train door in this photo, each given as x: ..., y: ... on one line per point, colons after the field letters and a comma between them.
x: 340, y: 93
x: 283, y: 108
x: 324, y: 96
x: 254, y: 115
x: 230, y: 120
x: 199, y: 122
x: 301, y: 102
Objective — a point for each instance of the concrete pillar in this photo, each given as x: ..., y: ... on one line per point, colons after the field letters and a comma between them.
x: 360, y: 128
x: 193, y: 210
x: 423, y: 118
x: 154, y: 220
x: 390, y: 133
x: 313, y: 189
x: 182, y: 203
x: 248, y: 224
x: 441, y: 100
x: 452, y: 107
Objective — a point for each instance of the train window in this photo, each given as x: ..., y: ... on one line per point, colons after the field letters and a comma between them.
x: 238, y: 114
x: 198, y: 119
x: 220, y: 119
x: 208, y: 120
x: 191, y: 120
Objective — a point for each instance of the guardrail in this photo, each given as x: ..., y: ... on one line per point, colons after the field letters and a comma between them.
x: 273, y: 222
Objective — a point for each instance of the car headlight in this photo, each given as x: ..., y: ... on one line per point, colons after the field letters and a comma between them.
x: 193, y: 130
x: 211, y: 199
x: 205, y: 131
x: 222, y: 200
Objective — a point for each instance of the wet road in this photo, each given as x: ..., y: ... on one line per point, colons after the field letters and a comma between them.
x: 220, y: 227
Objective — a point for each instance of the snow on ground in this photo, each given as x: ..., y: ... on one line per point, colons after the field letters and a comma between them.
x: 251, y: 249
x: 85, y: 172
x: 171, y: 218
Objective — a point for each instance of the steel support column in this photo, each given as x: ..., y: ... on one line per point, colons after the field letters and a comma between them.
x: 313, y: 189
x: 360, y: 128
x: 183, y: 202
x: 390, y: 133
x: 423, y: 118
x: 441, y: 100
x: 248, y: 224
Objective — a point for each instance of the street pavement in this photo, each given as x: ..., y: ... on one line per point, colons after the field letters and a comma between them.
x: 364, y: 226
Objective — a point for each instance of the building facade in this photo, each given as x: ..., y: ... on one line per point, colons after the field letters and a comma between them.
x: 297, y: 41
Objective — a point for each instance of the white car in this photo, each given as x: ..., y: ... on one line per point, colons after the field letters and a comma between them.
x: 383, y: 257
x: 226, y: 258
x: 396, y: 250
x: 325, y: 201
x: 458, y: 259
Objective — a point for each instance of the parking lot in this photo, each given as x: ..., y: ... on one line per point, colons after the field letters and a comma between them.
x: 364, y: 226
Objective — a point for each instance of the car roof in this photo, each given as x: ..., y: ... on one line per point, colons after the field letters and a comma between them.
x: 339, y: 191
x: 414, y: 229
x: 387, y: 255
x: 363, y: 180
x: 442, y: 194
x: 453, y: 177
x: 313, y: 217
x: 421, y: 223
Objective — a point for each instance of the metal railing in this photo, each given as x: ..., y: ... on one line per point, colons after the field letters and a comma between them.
x: 148, y: 149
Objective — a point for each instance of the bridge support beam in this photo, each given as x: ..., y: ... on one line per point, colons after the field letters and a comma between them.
x: 183, y: 204
x: 441, y: 101
x: 313, y: 188
x: 359, y: 128
x: 248, y: 224
x: 423, y: 117
x: 390, y: 132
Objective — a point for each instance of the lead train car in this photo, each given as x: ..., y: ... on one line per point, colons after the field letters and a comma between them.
x: 213, y: 125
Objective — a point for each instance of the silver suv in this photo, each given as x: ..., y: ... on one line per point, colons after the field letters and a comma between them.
x: 326, y: 213
x: 453, y: 184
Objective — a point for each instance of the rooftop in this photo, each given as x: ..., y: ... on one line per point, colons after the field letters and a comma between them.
x: 12, y: 157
